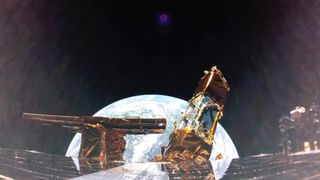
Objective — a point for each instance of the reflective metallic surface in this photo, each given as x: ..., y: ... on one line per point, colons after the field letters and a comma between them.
x: 102, y: 137
x: 192, y: 138
x: 22, y: 164
x: 295, y: 166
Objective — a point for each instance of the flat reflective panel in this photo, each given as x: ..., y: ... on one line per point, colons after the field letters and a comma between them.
x: 294, y: 166
x: 22, y: 164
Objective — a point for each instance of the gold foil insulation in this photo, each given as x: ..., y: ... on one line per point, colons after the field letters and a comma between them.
x: 191, y: 141
x: 102, y: 138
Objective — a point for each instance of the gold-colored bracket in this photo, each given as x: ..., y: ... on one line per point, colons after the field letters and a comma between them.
x: 102, y: 138
x: 193, y: 139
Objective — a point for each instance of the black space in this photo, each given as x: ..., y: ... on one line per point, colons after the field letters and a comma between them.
x: 75, y: 57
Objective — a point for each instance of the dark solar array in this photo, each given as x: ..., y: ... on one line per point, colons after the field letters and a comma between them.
x: 303, y: 166
x: 21, y: 164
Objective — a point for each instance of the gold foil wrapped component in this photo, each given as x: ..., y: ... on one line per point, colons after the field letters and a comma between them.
x: 214, y: 85
x: 102, y: 144
x: 192, y: 139
x: 189, y: 169
x: 186, y: 144
x: 102, y: 138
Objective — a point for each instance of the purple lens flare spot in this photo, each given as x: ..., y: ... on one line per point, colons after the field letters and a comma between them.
x: 163, y: 18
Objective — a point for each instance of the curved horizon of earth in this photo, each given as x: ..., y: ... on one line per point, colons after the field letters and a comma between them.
x: 142, y: 148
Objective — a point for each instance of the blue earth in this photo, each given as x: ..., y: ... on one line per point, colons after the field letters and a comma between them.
x: 142, y: 148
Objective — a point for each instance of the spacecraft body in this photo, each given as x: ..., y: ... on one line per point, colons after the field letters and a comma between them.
x: 301, y: 130
x: 191, y: 140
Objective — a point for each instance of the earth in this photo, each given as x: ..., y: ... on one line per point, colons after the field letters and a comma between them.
x: 142, y: 148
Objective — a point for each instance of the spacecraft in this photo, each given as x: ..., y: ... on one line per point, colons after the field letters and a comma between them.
x: 192, y: 138
x: 191, y: 141
x: 186, y: 156
x: 301, y: 130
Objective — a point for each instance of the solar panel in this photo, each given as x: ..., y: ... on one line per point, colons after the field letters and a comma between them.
x: 23, y: 164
